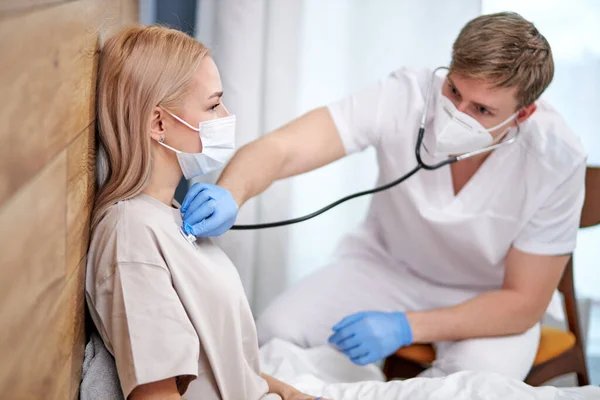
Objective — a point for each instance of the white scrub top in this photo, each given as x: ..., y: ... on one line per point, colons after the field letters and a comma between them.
x: 528, y: 195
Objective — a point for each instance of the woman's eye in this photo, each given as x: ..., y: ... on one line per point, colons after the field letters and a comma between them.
x: 213, y: 108
x: 483, y: 110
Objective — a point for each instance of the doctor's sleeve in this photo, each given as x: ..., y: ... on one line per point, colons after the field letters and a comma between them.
x: 148, y: 329
x: 357, y: 117
x: 553, y: 228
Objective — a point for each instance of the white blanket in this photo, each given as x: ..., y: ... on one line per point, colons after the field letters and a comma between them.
x: 325, y: 372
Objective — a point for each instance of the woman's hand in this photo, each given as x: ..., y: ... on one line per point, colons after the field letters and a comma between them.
x: 285, y: 391
x: 301, y: 396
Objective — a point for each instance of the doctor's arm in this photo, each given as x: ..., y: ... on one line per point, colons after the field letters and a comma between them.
x: 529, y: 282
x: 313, y: 140
x: 309, y: 142
x: 533, y: 268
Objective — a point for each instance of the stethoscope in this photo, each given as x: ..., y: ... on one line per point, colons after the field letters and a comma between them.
x: 420, y: 165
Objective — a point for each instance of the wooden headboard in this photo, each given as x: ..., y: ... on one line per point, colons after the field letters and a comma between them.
x: 48, y: 61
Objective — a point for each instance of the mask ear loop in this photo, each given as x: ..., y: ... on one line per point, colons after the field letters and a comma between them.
x: 507, y: 121
x: 501, y: 138
x: 180, y: 120
x: 501, y: 143
x: 162, y: 143
x: 161, y: 140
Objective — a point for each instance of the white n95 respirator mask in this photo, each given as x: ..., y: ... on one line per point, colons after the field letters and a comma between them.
x: 218, y: 145
x: 458, y: 133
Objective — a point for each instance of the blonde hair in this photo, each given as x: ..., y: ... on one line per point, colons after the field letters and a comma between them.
x: 140, y: 67
x: 507, y: 50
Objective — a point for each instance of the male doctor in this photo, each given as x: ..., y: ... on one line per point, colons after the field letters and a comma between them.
x: 466, y: 257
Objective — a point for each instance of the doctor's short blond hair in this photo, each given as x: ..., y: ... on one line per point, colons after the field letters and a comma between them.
x: 506, y: 49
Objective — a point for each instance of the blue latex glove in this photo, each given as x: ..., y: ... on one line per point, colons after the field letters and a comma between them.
x: 208, y: 210
x: 366, y: 337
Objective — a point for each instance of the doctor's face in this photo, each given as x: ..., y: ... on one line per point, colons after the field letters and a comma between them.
x: 479, y: 99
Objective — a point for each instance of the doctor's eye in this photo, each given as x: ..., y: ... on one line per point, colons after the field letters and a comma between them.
x: 483, y: 111
x: 213, y: 108
x: 453, y: 90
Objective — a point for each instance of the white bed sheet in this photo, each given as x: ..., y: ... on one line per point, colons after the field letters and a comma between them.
x: 325, y: 372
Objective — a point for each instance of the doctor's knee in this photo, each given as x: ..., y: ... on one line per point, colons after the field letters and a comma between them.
x: 472, y: 358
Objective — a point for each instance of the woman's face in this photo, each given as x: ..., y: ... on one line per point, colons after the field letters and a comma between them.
x: 203, y: 103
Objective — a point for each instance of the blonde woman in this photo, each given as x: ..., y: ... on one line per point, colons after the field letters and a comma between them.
x: 171, y: 310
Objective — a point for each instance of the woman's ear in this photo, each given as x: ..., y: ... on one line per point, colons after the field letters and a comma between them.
x: 526, y: 112
x: 157, y: 124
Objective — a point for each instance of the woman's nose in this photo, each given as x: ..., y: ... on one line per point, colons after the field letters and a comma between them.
x: 224, y: 112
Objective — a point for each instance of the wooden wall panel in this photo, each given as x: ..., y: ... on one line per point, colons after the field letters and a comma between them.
x: 45, y: 101
x: 47, y: 79
x: 33, y: 237
x: 80, y: 191
x: 129, y: 11
x: 70, y: 317
x: 7, y: 6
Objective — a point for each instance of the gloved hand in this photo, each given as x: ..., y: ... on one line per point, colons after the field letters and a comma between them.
x: 366, y: 337
x: 208, y: 210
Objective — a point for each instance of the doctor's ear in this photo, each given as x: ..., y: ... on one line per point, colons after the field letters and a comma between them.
x: 157, y: 124
x: 526, y: 112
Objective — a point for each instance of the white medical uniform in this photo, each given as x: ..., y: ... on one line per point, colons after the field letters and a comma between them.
x: 423, y: 247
